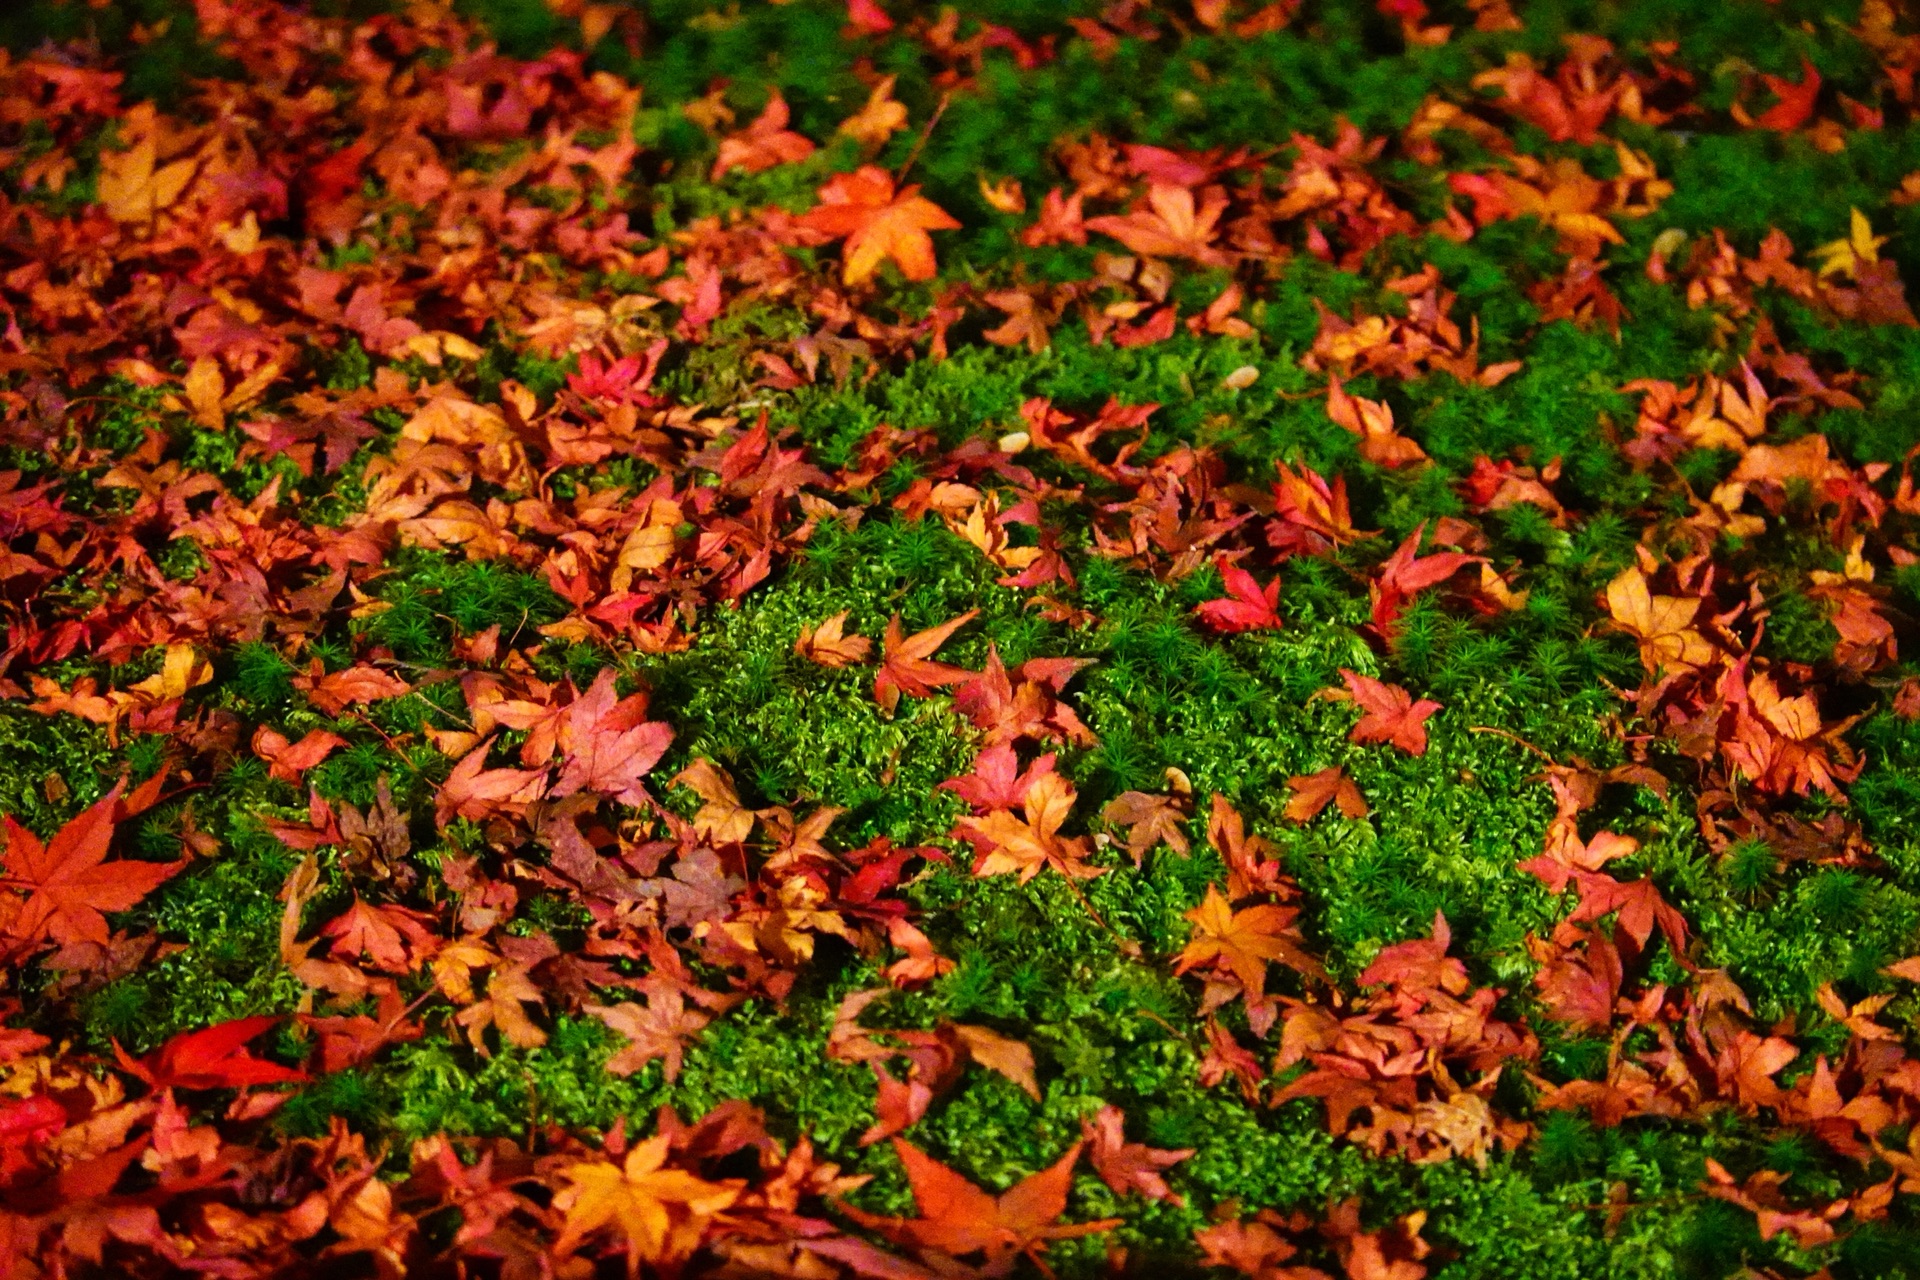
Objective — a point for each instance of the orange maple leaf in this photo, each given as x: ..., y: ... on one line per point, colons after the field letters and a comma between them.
x: 879, y: 222
x: 828, y: 645
x: 660, y: 1213
x: 1129, y: 1166
x: 1245, y: 941
x: 1313, y: 792
x: 879, y: 119
x: 1004, y: 843
x: 904, y: 661
x: 1170, y: 226
x: 1662, y: 624
x: 763, y: 144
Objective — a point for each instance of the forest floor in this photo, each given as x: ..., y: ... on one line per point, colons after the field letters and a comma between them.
x: 860, y: 639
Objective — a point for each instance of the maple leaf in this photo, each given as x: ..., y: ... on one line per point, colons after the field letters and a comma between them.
x: 1003, y: 843
x: 1313, y: 792
x: 133, y: 184
x: 1170, y: 226
x: 332, y: 694
x: 1578, y: 987
x: 659, y: 1029
x: 69, y: 883
x: 476, y: 792
x: 1405, y: 574
x: 867, y: 18
x: 905, y: 666
x: 1247, y: 605
x: 922, y: 964
x: 288, y: 760
x: 1390, y: 713
x: 660, y: 1213
x: 609, y: 745
x: 1372, y: 421
x: 1129, y: 1166
x: 1149, y: 820
x: 1026, y: 320
x: 721, y: 819
x: 828, y: 645
x: 1795, y: 101
x: 1662, y: 624
x: 1858, y: 248
x: 212, y: 1058
x: 1640, y: 906
x: 764, y: 143
x: 958, y: 1218
x: 1760, y: 1195
x: 997, y: 780
x: 1244, y: 941
x: 879, y: 119
x: 878, y: 223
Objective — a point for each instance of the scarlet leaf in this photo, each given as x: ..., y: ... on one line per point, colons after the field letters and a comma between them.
x: 1795, y: 103
x: 213, y: 1058
x: 1405, y: 574
x: 958, y: 1218
x: 1247, y: 607
x: 68, y: 881
x: 1390, y: 713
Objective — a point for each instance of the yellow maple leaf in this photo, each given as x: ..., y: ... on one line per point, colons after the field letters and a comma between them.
x: 1662, y: 624
x: 659, y: 1212
x: 133, y: 184
x: 1852, y: 251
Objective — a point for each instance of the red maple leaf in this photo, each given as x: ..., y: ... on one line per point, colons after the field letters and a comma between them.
x: 1128, y: 1166
x: 1403, y: 575
x: 1391, y: 714
x: 1640, y: 906
x: 1579, y: 976
x: 212, y: 1058
x: 764, y: 143
x: 997, y: 780
x: 1795, y: 104
x: 957, y: 1217
x: 69, y: 883
x: 1247, y: 606
x: 905, y: 666
x: 288, y: 760
x: 867, y: 18
x: 609, y: 745
x: 476, y: 792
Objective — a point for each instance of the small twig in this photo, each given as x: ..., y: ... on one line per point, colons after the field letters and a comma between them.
x: 1127, y: 945
x: 1511, y: 737
x: 920, y: 142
